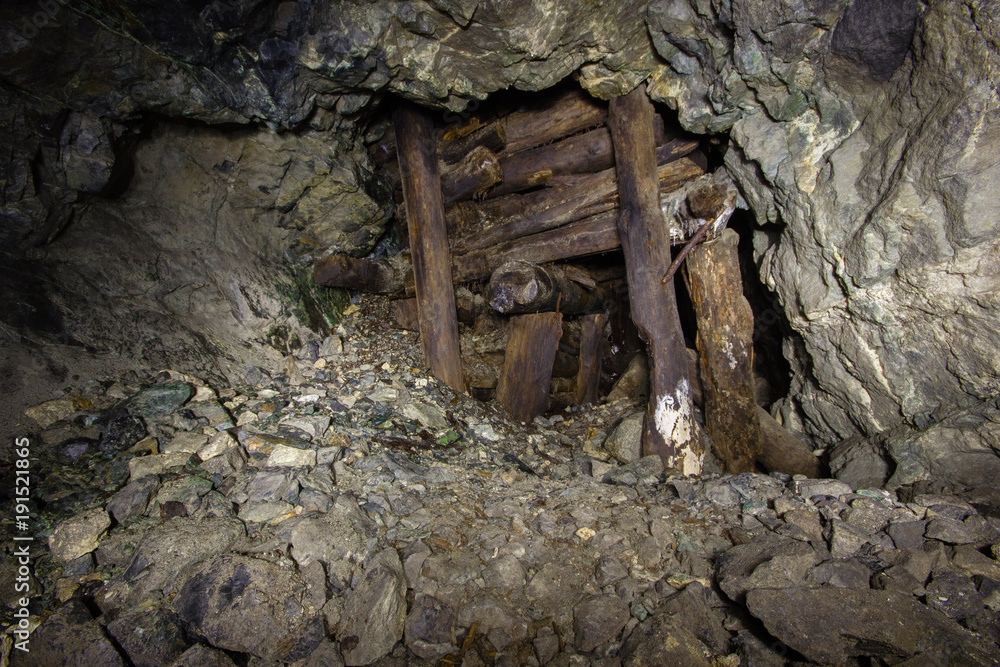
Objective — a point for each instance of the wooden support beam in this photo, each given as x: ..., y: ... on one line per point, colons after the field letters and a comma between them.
x: 591, y: 354
x: 591, y: 235
x: 379, y: 276
x: 473, y: 175
x: 429, y: 245
x: 580, y: 154
x: 496, y: 220
x: 523, y: 287
x: 455, y: 146
x: 523, y: 390
x: 783, y: 452
x: 725, y: 349
x: 645, y: 239
x: 568, y: 114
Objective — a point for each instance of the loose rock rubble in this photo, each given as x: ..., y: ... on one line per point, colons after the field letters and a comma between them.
x: 355, y: 511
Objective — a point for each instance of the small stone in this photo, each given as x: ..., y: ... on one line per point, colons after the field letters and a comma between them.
x: 609, y: 570
x: 954, y: 595
x: 505, y: 574
x: 374, y: 611
x: 270, y: 485
x: 265, y: 512
x: 585, y: 533
x: 722, y: 493
x: 625, y: 441
x: 159, y: 399
x: 217, y: 444
x: 78, y: 535
x: 200, y: 655
x: 187, y: 443
x: 948, y: 531
x: 848, y: 573
x: 133, y: 499
x: 845, y: 540
x: 546, y: 647
x: 143, y: 466
x: 908, y: 534
x: 809, y: 488
x: 290, y: 457
x: 47, y: 413
x: 598, y: 619
x: 231, y: 460
x: 428, y: 416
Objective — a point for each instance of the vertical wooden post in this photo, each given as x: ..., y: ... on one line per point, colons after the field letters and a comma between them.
x: 591, y: 353
x: 418, y: 167
x: 725, y: 348
x: 670, y: 426
x: 532, y: 342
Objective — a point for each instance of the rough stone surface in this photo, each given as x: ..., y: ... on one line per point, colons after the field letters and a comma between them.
x: 78, y: 535
x: 251, y: 606
x: 598, y: 619
x: 375, y: 611
x: 70, y: 636
x: 892, y: 625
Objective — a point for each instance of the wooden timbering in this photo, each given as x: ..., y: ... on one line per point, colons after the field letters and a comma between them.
x: 523, y: 287
x: 379, y: 276
x: 645, y: 239
x: 591, y: 353
x: 523, y: 390
x: 415, y: 141
x: 725, y: 349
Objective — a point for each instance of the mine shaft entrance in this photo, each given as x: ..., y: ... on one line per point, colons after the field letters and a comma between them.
x: 530, y: 200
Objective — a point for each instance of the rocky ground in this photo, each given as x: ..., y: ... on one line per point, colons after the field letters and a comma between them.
x: 355, y: 511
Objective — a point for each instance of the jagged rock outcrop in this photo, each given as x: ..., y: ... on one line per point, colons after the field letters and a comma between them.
x: 863, y: 137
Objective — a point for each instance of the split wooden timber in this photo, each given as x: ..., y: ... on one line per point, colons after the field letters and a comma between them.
x: 429, y: 245
x: 591, y: 353
x: 645, y: 239
x: 523, y: 390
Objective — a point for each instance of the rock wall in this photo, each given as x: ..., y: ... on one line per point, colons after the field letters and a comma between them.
x: 863, y: 136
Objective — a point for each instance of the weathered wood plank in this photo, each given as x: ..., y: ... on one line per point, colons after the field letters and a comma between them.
x: 379, y: 276
x: 725, y: 348
x: 568, y: 114
x: 523, y: 390
x: 645, y: 239
x: 591, y: 354
x: 429, y: 249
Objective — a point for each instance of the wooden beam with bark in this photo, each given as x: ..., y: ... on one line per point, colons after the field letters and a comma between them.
x: 725, y: 349
x: 645, y: 239
x: 580, y: 154
x: 390, y: 275
x: 497, y: 220
x: 429, y: 245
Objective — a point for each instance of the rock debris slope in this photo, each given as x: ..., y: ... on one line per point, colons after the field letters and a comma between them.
x: 353, y: 511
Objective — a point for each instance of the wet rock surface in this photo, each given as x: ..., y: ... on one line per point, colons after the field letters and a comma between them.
x: 358, y: 512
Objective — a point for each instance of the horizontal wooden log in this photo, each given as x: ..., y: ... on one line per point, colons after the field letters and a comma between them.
x: 492, y: 137
x: 472, y: 175
x: 379, y: 276
x: 522, y: 287
x: 568, y: 114
x: 586, y: 237
x: 580, y: 154
x: 514, y: 216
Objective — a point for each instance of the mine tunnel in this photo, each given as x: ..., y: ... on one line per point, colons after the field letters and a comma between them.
x: 499, y: 333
